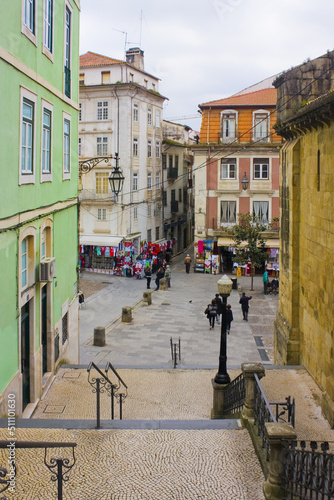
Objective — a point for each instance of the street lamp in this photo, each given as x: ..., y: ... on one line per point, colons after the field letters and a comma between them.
x: 224, y: 289
x: 244, y: 182
x: 116, y: 178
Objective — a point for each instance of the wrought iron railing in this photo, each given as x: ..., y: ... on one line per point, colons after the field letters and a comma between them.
x: 262, y: 413
x: 175, y: 348
x: 59, y: 467
x: 103, y: 384
x: 234, y: 395
x: 308, y: 472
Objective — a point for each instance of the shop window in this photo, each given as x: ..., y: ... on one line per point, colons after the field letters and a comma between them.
x: 228, y: 213
x: 228, y: 168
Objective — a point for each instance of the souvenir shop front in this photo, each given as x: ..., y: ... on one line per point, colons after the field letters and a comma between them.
x: 206, y: 257
x: 112, y: 255
x: 272, y: 262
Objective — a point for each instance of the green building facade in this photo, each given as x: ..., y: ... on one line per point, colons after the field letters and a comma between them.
x: 39, y: 60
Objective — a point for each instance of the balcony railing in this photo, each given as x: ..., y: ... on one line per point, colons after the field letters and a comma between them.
x: 217, y: 224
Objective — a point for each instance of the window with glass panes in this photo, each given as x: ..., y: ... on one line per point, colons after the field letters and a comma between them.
x: 135, y: 112
x: 80, y: 111
x: 101, y: 183
x: 102, y: 146
x: 229, y: 126
x: 228, y: 169
x: 164, y: 161
x: 135, y: 213
x: 102, y: 110
x: 48, y: 24
x: 46, y: 142
x: 261, y: 121
x: 228, y: 212
x: 157, y: 233
x: 261, y: 168
x: 24, y: 262
x: 157, y: 119
x: 149, y: 181
x: 149, y: 210
x: 79, y: 146
x: 101, y: 214
x: 149, y: 149
x: 149, y: 235
x: 157, y: 149
x: 261, y: 211
x: 29, y: 14
x: 135, y: 182
x: 66, y: 146
x: 27, y: 139
x: 135, y: 146
x: 157, y: 180
x: 149, y: 116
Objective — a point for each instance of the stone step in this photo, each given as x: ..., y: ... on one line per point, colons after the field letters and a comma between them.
x: 223, y: 424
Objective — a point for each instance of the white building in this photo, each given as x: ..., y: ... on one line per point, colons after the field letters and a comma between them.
x: 120, y: 112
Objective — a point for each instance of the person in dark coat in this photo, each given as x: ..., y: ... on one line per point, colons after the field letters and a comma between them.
x: 244, y: 301
x: 219, y: 307
x: 158, y: 275
x: 211, y: 313
x: 229, y: 318
x: 148, y: 275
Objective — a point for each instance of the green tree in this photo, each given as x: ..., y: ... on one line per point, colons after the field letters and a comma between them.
x: 249, y: 242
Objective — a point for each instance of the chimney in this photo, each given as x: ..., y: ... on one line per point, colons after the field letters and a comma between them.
x: 135, y: 56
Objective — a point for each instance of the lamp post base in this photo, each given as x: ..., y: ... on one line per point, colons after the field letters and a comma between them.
x: 222, y: 378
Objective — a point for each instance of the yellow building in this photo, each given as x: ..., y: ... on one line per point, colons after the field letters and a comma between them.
x: 304, y: 328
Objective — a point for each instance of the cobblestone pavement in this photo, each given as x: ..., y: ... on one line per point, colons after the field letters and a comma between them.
x: 143, y: 465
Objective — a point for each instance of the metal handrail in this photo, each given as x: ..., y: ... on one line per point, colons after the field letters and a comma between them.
x: 109, y: 365
x: 59, y: 467
x: 234, y: 395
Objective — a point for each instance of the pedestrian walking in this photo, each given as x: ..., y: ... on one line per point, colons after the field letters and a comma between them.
x: 168, y: 275
x: 187, y: 262
x: 219, y: 307
x: 211, y: 312
x: 265, y: 280
x: 244, y: 301
x: 229, y: 318
x: 148, y: 276
x: 158, y: 275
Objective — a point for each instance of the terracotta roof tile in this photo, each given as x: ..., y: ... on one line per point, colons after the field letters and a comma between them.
x: 92, y: 59
x: 265, y: 97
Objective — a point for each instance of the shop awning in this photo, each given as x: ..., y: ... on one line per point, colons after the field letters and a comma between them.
x: 274, y: 243
x: 99, y: 240
x: 228, y: 242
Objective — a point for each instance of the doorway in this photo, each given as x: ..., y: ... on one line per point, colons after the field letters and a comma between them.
x: 25, y: 354
x: 44, y: 325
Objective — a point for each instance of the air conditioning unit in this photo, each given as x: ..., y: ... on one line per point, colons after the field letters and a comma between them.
x: 47, y: 269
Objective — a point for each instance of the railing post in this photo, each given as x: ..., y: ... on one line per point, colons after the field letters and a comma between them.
x: 97, y: 403
x: 249, y: 369
x: 60, y: 477
x: 276, y: 433
x: 112, y: 395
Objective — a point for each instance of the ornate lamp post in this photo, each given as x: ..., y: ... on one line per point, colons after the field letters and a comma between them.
x: 116, y: 178
x: 224, y: 289
x: 244, y: 182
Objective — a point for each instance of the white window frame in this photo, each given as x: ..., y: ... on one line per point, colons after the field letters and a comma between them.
x: 263, y: 125
x: 68, y: 7
x: 259, y: 211
x: 157, y: 149
x: 149, y: 148
x: 149, y: 116
x: 231, y: 173
x: 102, y: 146
x: 135, y: 181
x: 260, y: 170
x: 136, y: 112
x: 30, y: 31
x: 135, y: 213
x: 102, y: 110
x: 80, y: 112
x: 228, y: 135
x: 101, y: 178
x: 102, y: 214
x: 24, y: 262
x: 149, y: 181
x: 48, y: 28
x: 231, y: 212
x: 157, y: 118
x: 27, y: 177
x: 66, y: 154
x: 46, y: 176
x: 135, y: 146
x: 157, y: 180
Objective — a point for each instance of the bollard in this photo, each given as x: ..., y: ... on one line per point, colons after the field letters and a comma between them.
x: 100, y: 336
x: 126, y: 314
x: 147, y: 297
x: 163, y: 284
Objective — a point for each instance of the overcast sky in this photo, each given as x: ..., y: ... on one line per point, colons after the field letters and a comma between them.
x: 208, y: 49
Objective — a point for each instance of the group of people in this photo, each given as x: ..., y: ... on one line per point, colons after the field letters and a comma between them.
x: 162, y: 272
x: 269, y: 286
x: 215, y: 309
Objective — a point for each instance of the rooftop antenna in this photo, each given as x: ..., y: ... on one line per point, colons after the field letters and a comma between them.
x: 126, y: 38
x: 141, y: 25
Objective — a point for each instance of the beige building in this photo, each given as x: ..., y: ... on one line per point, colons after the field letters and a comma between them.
x: 304, y: 329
